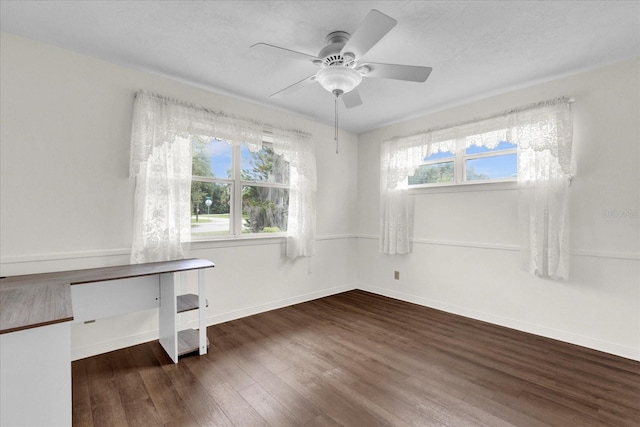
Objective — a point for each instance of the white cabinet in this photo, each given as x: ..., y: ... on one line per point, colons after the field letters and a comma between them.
x: 35, y: 367
x: 176, y: 341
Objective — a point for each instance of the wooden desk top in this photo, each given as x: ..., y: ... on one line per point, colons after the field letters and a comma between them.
x: 34, y: 300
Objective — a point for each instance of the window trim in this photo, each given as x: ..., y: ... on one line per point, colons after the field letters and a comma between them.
x: 464, y: 188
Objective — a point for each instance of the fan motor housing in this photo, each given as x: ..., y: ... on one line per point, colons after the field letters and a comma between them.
x: 331, y: 54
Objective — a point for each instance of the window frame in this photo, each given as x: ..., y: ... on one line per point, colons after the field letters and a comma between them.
x: 459, y: 159
x: 237, y: 184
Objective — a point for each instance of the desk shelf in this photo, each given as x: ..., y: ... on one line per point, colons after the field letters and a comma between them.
x: 180, y: 342
x: 189, y: 341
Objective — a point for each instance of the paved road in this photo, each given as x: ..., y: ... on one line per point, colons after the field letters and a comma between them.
x: 211, y: 224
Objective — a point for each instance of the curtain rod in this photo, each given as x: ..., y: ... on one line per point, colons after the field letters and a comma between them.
x: 266, y: 127
x: 553, y: 101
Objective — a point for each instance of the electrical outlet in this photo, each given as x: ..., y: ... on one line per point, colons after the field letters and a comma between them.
x: 396, y: 275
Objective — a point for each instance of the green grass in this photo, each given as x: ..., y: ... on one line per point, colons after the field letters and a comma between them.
x: 200, y: 220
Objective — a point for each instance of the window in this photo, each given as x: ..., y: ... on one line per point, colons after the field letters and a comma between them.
x: 530, y: 145
x: 235, y: 191
x: 472, y: 164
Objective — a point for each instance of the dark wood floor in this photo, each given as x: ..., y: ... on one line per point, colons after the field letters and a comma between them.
x: 358, y: 359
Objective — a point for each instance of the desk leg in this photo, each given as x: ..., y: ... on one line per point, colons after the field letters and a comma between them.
x: 202, y: 302
x: 168, y: 305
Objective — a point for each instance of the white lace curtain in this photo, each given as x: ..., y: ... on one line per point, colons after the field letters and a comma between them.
x: 161, y: 166
x: 544, y: 136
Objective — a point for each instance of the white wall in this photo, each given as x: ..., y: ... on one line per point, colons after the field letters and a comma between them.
x: 466, y: 258
x: 67, y: 201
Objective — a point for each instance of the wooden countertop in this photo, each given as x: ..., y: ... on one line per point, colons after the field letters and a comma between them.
x: 34, y: 300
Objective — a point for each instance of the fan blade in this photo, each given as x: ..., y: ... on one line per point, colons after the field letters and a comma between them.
x: 374, y: 27
x: 410, y: 73
x: 271, y: 49
x: 351, y: 99
x: 294, y: 87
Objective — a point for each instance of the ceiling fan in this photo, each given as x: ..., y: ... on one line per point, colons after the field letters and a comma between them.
x: 341, y: 65
x: 340, y: 61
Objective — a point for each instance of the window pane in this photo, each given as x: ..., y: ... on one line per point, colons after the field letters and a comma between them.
x: 211, y: 157
x: 264, y: 209
x: 503, y: 145
x: 210, y: 209
x: 433, y: 173
x: 494, y: 167
x: 264, y: 166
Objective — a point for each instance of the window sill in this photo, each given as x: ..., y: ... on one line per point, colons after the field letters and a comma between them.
x: 242, y: 240
x: 465, y: 187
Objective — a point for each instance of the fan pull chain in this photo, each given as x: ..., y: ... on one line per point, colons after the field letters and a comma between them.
x: 336, y: 135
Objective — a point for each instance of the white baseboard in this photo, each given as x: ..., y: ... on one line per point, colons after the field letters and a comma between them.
x: 569, y: 337
x: 107, y: 346
x: 130, y: 340
x: 274, y: 305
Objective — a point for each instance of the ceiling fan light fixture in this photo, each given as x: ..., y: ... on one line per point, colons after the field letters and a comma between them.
x: 339, y: 79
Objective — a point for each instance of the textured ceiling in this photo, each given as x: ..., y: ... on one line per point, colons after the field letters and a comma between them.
x: 476, y: 48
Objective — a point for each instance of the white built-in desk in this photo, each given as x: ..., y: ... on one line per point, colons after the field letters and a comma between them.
x: 36, y: 313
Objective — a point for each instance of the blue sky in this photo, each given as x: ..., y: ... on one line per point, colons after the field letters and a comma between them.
x: 496, y: 167
x: 219, y: 153
x: 220, y: 158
